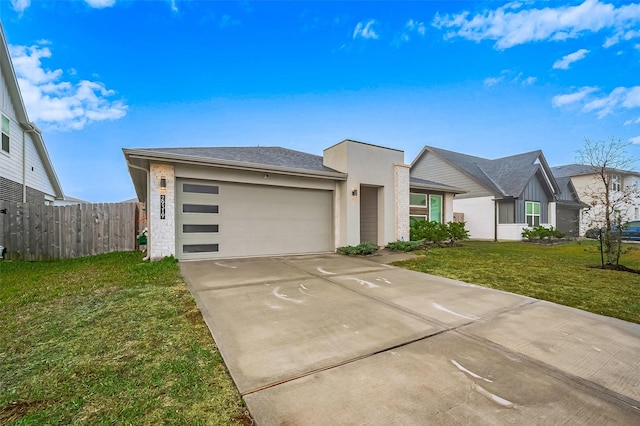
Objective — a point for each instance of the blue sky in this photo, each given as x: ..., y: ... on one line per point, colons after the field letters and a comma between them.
x: 487, y: 78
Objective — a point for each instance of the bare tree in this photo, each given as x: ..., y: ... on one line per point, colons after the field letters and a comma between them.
x: 609, y: 199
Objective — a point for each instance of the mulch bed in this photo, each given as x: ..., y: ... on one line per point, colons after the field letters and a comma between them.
x: 611, y: 267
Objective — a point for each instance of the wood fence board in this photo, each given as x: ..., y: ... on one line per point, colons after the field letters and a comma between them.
x: 39, y: 232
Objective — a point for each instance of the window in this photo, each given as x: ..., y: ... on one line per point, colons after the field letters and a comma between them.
x: 199, y: 208
x: 200, y: 248
x: 506, y: 212
x: 413, y: 218
x: 418, y: 200
x: 615, y: 183
x: 6, y: 130
x: 435, y: 208
x: 199, y: 189
x: 532, y: 213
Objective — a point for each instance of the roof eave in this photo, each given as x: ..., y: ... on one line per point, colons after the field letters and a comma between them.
x: 443, y: 188
x: 203, y: 161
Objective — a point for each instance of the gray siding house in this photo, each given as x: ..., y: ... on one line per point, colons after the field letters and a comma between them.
x: 26, y: 171
x: 503, y: 195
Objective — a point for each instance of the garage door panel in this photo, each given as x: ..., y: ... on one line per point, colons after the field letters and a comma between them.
x: 252, y: 220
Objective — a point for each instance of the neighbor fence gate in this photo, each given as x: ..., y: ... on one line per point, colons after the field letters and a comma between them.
x: 39, y: 232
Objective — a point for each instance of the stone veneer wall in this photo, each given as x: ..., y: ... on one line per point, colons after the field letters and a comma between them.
x: 401, y: 189
x: 162, y: 232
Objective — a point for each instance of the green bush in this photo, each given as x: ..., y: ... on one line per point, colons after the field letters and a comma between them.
x: 457, y: 232
x: 405, y: 246
x: 362, y: 248
x: 539, y: 232
x: 437, y: 233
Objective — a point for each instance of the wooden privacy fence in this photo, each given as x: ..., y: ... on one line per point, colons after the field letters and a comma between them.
x: 39, y: 232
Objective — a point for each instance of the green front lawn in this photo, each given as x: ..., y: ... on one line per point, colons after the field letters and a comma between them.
x: 105, y: 340
x: 554, y: 273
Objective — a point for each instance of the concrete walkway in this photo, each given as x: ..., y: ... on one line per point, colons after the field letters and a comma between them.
x: 331, y: 339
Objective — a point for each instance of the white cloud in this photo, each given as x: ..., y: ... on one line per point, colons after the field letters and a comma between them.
x: 20, y: 5
x: 410, y: 28
x: 100, y: 4
x: 619, y: 98
x: 365, y: 30
x: 567, y: 60
x: 492, y: 81
x: 511, y: 77
x: 629, y: 122
x: 57, y: 104
x: 635, y: 141
x: 511, y: 25
x: 227, y: 21
x: 571, y: 98
x: 621, y: 35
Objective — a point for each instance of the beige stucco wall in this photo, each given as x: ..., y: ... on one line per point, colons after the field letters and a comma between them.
x: 366, y: 165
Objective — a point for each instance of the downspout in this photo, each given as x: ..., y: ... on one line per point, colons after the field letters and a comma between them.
x: 147, y: 203
x: 24, y: 166
x: 495, y: 220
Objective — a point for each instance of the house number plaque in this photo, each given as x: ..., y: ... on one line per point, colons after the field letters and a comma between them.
x: 162, y: 206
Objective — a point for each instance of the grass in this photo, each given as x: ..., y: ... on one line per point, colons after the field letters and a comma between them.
x: 557, y: 273
x: 108, y: 340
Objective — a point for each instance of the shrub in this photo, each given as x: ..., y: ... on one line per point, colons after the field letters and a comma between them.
x: 539, y: 232
x: 405, y: 245
x: 362, y: 248
x: 457, y: 232
x: 437, y: 233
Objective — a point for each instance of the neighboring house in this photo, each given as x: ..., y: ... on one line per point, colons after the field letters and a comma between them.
x: 502, y: 196
x: 433, y: 201
x: 26, y: 172
x: 220, y: 202
x: 585, y: 181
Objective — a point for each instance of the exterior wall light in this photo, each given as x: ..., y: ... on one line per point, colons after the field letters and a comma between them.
x: 354, y: 193
x: 163, y: 184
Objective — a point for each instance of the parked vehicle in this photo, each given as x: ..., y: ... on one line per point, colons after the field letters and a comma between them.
x: 630, y: 231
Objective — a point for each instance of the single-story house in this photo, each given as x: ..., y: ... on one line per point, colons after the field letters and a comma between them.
x: 219, y: 202
x: 503, y: 195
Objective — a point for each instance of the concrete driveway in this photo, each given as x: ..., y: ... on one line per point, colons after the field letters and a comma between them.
x: 330, y: 339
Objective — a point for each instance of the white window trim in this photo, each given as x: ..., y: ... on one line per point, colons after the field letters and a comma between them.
x: 533, y: 215
x: 441, y: 206
x: 3, y: 133
x: 616, y: 184
x: 421, y: 216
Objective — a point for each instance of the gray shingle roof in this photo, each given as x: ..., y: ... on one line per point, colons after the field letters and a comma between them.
x: 507, y: 176
x: 435, y: 185
x: 260, y: 155
x: 569, y: 170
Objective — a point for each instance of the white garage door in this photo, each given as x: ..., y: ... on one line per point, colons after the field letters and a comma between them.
x: 221, y: 219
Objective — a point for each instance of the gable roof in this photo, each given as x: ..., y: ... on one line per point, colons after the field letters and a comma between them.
x: 505, y: 176
x: 21, y: 114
